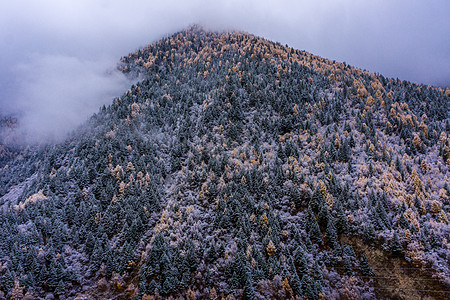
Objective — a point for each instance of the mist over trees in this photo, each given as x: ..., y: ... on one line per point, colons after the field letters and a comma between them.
x: 238, y: 168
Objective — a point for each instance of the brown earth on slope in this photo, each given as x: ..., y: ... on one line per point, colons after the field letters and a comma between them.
x: 396, y: 278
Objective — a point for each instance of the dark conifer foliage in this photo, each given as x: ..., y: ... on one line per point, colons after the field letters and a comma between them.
x: 235, y: 167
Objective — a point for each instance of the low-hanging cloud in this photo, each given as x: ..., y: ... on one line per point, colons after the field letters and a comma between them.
x: 58, y: 57
x: 58, y: 92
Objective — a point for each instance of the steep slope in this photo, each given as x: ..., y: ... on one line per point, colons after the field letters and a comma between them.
x: 238, y: 168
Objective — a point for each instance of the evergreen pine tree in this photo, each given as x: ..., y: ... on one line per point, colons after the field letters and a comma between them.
x: 7, y: 280
x: 296, y: 285
x: 249, y: 290
x: 295, y: 197
x: 348, y: 267
x: 96, y: 257
x: 365, y: 267
x: 300, y: 261
x: 191, y: 257
x: 43, y: 274
x: 403, y: 222
x: 331, y: 235
x: 309, y: 287
x: 313, y: 228
x: 143, y: 287
x: 341, y: 220
x: 55, y: 275
x: 434, y: 240
x: 396, y: 246
x: 153, y: 287
x: 109, y: 261
x: 211, y: 254
x: 317, y: 276
x: 60, y: 288
x: 30, y: 280
x: 323, y: 216
x: 90, y: 243
x: 170, y: 284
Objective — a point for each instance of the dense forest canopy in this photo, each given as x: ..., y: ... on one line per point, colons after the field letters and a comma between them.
x: 236, y: 168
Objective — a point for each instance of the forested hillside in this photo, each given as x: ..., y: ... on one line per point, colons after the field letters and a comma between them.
x: 237, y: 168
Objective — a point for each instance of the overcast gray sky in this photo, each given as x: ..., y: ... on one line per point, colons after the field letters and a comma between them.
x: 57, y: 58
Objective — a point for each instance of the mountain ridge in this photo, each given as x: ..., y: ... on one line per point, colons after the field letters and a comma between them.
x: 237, y: 167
